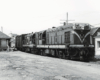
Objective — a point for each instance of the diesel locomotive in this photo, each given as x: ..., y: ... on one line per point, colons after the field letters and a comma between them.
x: 72, y: 41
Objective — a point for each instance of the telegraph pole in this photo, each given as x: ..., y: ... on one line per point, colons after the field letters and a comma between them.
x: 67, y: 19
x: 1, y: 29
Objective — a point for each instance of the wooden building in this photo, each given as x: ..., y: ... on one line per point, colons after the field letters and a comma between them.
x: 95, y: 33
x: 97, y: 45
x: 4, y: 41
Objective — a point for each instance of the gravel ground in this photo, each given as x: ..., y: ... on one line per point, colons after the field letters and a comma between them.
x: 24, y: 66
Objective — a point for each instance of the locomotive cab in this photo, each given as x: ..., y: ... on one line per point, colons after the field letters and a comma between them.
x: 42, y: 38
x: 80, y: 45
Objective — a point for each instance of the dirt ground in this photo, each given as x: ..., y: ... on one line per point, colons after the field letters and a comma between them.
x: 24, y: 66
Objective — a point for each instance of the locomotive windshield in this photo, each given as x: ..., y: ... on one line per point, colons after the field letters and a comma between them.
x: 82, y: 26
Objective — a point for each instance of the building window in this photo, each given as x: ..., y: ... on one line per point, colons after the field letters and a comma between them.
x: 98, y: 44
x: 98, y: 34
x: 67, y: 37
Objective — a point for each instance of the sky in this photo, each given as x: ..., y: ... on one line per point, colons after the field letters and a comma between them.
x: 26, y: 16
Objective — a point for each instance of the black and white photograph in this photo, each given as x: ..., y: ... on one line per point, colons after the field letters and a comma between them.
x: 49, y: 39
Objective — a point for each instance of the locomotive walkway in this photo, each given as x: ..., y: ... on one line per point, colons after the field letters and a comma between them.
x: 24, y: 66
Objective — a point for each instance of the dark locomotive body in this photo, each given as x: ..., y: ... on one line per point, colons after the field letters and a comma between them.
x: 71, y: 41
x: 19, y: 41
x: 28, y: 42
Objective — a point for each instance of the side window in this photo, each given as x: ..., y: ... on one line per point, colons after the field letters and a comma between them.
x: 98, y: 33
x: 67, y: 37
x: 40, y: 36
x: 55, y: 37
x: 48, y: 38
x: 98, y: 44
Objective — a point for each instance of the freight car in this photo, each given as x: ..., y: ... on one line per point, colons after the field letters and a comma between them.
x: 19, y: 42
x: 25, y: 42
x: 70, y: 41
x: 28, y: 43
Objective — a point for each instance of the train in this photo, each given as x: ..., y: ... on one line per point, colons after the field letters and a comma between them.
x: 71, y: 41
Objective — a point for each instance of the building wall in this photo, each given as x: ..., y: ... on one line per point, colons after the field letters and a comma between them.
x: 94, y: 35
x: 97, y: 46
x: 4, y: 43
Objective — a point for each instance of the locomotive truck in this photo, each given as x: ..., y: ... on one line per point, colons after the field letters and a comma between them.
x: 72, y: 41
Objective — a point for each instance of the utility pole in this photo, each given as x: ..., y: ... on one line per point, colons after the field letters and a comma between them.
x: 67, y: 19
x: 1, y: 29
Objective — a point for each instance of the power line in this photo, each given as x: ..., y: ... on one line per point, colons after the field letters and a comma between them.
x: 1, y: 28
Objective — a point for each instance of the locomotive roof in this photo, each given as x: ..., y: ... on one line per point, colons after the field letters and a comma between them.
x: 3, y: 36
x: 30, y: 34
x: 69, y: 26
x: 60, y: 28
x: 42, y: 31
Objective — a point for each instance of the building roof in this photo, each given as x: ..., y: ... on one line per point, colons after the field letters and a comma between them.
x: 3, y: 36
x: 93, y: 30
x: 97, y: 36
x: 71, y: 26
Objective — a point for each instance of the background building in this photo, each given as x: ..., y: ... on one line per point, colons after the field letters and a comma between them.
x: 95, y: 33
x: 4, y: 41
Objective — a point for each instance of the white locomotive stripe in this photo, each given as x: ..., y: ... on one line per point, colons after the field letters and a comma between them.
x: 31, y: 45
x: 60, y: 46
x: 91, y: 39
x: 91, y: 45
x: 51, y: 46
x: 46, y: 46
x: 86, y: 35
x: 76, y: 45
x: 80, y: 45
x: 77, y: 35
x: 40, y: 46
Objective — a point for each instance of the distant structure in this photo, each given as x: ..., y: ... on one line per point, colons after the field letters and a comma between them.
x: 1, y: 29
x: 4, y: 41
x: 12, y: 40
x: 95, y: 32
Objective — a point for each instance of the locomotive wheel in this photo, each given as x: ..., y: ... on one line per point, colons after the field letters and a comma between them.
x: 81, y: 58
x: 60, y: 55
x: 87, y: 52
x: 76, y: 53
x: 32, y: 52
x: 44, y: 54
x: 81, y: 55
x: 41, y: 53
x: 64, y: 56
x: 68, y: 55
x: 57, y: 54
